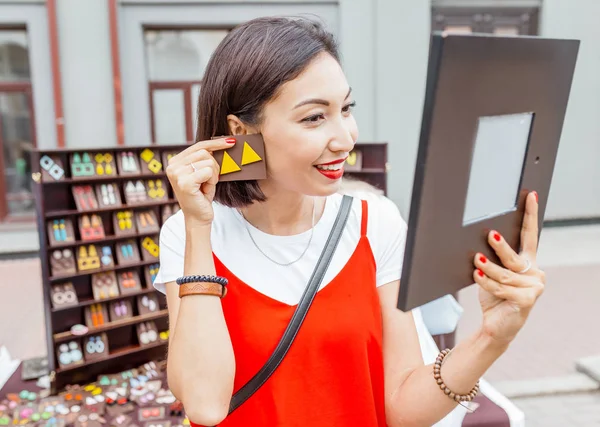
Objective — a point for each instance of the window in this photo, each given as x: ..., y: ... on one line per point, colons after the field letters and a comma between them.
x: 17, y: 132
x: 176, y: 60
x: 500, y: 21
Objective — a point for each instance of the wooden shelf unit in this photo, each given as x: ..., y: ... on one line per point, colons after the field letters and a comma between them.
x: 56, y: 204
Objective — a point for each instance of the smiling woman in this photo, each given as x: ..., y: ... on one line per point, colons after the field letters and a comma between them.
x: 236, y: 260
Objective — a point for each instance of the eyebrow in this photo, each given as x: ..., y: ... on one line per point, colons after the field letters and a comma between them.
x: 318, y: 101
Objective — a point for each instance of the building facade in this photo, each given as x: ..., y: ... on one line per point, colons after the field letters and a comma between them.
x: 101, y: 73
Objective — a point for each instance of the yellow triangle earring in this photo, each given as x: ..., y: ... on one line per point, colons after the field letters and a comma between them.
x: 228, y: 165
x: 249, y: 155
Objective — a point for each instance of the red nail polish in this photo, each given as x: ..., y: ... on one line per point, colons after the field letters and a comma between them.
x: 497, y: 237
x: 536, y: 197
x: 230, y: 140
x: 480, y: 273
x: 483, y: 259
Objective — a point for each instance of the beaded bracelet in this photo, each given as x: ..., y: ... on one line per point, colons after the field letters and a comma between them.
x: 202, y: 278
x: 438, y: 377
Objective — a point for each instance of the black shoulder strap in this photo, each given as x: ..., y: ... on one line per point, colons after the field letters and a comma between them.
x: 307, y: 298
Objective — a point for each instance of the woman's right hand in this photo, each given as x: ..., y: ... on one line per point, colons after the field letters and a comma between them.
x: 194, y: 174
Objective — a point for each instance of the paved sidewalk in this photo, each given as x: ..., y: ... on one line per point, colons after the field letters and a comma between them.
x: 574, y: 410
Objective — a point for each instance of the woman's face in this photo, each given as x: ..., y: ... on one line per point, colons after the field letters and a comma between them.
x: 309, y: 130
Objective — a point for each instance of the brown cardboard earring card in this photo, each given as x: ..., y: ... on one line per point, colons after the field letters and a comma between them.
x: 129, y: 282
x: 104, y: 285
x: 150, y: 271
x: 69, y: 353
x: 104, y: 164
x: 156, y: 189
x: 108, y: 195
x: 87, y: 258
x: 52, y: 168
x: 150, y: 248
x: 62, y: 262
x: 127, y: 252
x: 147, y: 333
x: 95, y: 346
x: 63, y: 295
x: 353, y: 161
x: 244, y: 161
x: 91, y: 227
x: 150, y: 161
x: 128, y: 163
x: 96, y: 315
x: 120, y: 310
x: 135, y: 192
x: 60, y: 231
x: 147, y: 304
x: 146, y: 221
x: 84, y: 197
x: 123, y: 223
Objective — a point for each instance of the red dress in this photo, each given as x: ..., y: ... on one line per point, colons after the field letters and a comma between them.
x: 333, y: 372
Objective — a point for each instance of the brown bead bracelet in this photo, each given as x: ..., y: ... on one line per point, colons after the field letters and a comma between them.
x: 437, y: 366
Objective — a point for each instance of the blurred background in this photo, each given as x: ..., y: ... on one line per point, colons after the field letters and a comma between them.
x: 107, y: 73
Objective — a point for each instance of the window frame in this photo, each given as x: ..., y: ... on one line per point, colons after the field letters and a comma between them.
x: 26, y: 88
x: 486, y: 19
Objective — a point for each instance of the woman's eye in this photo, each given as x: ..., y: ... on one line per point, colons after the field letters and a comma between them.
x: 349, y: 107
x: 313, y: 119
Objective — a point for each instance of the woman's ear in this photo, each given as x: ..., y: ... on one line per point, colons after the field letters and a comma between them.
x: 237, y: 127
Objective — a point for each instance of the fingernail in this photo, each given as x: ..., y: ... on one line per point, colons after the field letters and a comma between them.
x: 536, y: 197
x: 480, y: 273
x: 496, y: 237
x: 483, y: 259
x: 230, y: 140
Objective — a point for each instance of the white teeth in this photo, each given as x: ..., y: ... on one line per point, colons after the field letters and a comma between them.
x: 335, y: 167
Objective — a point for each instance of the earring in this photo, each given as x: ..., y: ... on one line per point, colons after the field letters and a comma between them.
x: 143, y: 334
x: 63, y: 230
x: 100, y: 345
x: 64, y: 357
x: 90, y: 347
x: 76, y: 355
x: 123, y: 308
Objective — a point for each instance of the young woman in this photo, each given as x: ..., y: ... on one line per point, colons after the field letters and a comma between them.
x: 356, y: 360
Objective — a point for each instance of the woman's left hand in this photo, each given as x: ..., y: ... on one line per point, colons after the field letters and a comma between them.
x: 508, y: 293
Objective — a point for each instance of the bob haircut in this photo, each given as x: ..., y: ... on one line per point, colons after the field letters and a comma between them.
x: 245, y: 72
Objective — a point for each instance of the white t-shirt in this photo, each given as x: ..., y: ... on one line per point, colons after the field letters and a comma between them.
x: 231, y: 243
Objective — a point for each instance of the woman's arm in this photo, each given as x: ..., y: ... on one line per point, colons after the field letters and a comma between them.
x: 201, y: 364
x: 413, y: 397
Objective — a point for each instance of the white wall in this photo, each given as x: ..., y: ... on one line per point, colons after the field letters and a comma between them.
x: 402, y: 46
x: 575, y: 190
x: 86, y: 73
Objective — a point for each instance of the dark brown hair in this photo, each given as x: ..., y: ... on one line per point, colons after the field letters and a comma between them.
x: 245, y: 72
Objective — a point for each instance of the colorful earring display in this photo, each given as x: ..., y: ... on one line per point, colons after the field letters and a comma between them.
x: 151, y: 272
x: 91, y: 227
x: 96, y: 315
x: 353, y: 161
x: 129, y: 282
x: 52, y: 168
x: 128, y: 163
x: 123, y: 223
x: 108, y: 195
x: 147, y: 303
x: 146, y: 221
x: 85, y: 199
x: 82, y: 166
x: 87, y: 258
x: 244, y: 161
x: 60, y: 231
x: 63, y: 295
x: 105, y: 164
x: 104, y: 285
x: 156, y: 190
x: 62, y: 262
x: 135, y: 192
x: 106, y: 257
x: 120, y: 310
x: 127, y: 252
x: 150, y: 161
x: 69, y: 354
x: 147, y: 333
x: 151, y: 249
x: 95, y: 346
